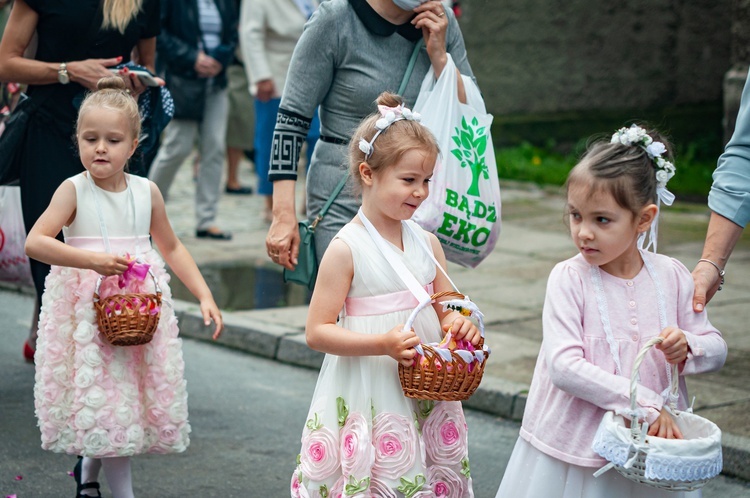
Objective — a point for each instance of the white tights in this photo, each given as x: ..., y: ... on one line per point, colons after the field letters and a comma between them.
x: 117, y: 470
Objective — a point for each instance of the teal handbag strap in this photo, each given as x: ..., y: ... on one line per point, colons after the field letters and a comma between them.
x: 410, y: 67
x: 330, y: 200
x: 401, y: 88
x: 335, y: 194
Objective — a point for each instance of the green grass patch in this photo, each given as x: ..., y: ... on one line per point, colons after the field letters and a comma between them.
x: 545, y: 166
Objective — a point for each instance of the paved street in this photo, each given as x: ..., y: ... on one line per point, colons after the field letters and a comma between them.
x: 246, y: 414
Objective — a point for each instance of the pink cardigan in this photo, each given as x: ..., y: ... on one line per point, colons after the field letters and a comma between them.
x: 575, y: 382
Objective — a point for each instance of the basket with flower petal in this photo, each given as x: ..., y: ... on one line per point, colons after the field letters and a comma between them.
x: 129, y: 319
x: 450, y: 370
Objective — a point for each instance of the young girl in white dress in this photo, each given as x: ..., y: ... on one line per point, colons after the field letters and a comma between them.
x: 104, y: 402
x: 601, y: 307
x: 363, y: 437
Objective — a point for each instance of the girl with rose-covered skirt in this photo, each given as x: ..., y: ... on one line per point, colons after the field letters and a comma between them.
x: 107, y: 403
x: 362, y: 436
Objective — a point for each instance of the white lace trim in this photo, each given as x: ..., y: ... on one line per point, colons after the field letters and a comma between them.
x: 661, y: 300
x: 683, y: 468
x: 610, y: 448
x: 601, y: 301
x: 614, y: 348
x: 657, y: 466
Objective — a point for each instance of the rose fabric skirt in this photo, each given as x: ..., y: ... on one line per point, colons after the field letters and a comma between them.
x: 362, y: 437
x: 98, y: 400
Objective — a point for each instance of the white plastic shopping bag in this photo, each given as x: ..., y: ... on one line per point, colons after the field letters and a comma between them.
x: 463, y: 208
x: 14, y: 265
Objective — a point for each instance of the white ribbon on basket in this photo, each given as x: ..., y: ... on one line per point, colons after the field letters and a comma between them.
x: 411, y: 282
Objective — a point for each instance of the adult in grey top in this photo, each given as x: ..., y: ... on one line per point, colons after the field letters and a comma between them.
x: 349, y: 52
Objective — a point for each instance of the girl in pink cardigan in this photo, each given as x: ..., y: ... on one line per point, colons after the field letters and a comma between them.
x: 601, y: 307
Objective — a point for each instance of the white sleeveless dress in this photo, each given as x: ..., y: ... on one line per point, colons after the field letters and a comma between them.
x: 91, y: 398
x: 363, y: 437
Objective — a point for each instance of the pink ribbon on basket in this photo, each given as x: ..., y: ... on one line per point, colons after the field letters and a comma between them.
x: 136, y: 271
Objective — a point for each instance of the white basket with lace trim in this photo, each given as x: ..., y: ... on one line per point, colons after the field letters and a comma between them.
x: 672, y: 464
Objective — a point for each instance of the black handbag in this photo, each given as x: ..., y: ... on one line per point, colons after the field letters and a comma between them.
x: 12, y: 141
x: 189, y: 95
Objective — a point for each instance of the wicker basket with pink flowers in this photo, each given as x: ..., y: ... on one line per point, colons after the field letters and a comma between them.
x: 450, y: 370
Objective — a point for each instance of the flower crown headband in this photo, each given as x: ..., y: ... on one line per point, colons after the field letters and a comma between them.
x: 665, y: 170
x: 635, y: 135
x: 389, y: 116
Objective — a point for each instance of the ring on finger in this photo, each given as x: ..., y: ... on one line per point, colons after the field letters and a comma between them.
x: 441, y: 14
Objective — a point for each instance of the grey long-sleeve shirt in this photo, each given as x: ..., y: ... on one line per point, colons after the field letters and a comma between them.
x: 346, y: 57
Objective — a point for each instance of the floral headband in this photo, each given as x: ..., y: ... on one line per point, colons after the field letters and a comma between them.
x: 389, y: 116
x: 635, y: 135
x: 665, y: 170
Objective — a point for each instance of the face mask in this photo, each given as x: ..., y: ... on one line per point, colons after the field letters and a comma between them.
x: 409, y: 4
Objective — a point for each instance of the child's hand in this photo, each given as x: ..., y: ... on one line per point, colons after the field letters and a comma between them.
x: 109, y: 264
x: 463, y: 328
x: 399, y: 344
x: 210, y: 311
x: 674, y: 346
x: 665, y: 426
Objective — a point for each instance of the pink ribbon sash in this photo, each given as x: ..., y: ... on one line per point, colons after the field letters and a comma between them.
x: 385, y: 303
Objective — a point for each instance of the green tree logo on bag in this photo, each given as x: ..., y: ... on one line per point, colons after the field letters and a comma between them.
x: 472, y: 144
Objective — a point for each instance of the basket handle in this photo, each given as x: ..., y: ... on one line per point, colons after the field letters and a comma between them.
x: 413, y: 316
x: 635, y: 377
x: 102, y: 277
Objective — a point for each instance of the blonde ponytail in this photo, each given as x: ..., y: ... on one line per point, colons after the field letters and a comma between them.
x: 119, y: 13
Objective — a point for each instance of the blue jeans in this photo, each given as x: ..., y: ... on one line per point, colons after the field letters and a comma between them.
x: 265, y: 122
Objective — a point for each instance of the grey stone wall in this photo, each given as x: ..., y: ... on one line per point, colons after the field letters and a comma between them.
x: 740, y: 31
x: 551, y: 57
x: 734, y: 80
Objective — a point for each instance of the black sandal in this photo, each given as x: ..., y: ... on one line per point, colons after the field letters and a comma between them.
x: 89, y: 485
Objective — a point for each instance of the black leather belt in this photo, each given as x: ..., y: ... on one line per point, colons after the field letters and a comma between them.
x: 334, y: 140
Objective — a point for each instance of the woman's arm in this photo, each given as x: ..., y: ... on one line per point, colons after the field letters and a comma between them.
x: 282, y: 240
x: 180, y: 261
x: 721, y: 237
x: 322, y: 332
x: 310, y: 76
x: 729, y: 201
x: 146, y: 48
x: 707, y: 350
x: 18, y: 33
x: 42, y: 245
x: 433, y: 19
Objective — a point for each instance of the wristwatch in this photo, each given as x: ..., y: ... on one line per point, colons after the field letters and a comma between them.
x: 62, y: 74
